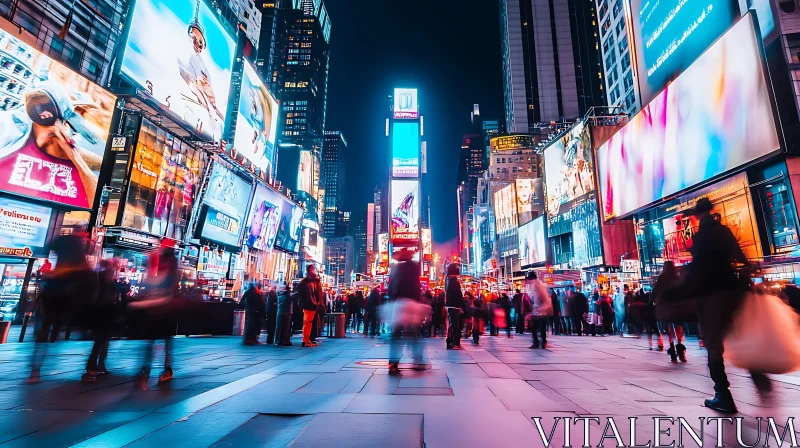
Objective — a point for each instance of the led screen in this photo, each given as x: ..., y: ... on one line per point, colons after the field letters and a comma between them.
x: 526, y: 196
x: 505, y: 209
x: 532, y: 243
x: 568, y: 169
x: 671, y: 34
x: 53, y: 127
x: 290, y: 229
x: 405, y: 104
x: 257, y: 123
x: 383, y: 243
x: 405, y: 210
x: 427, y: 243
x: 179, y: 52
x: 23, y: 228
x: 714, y: 118
x: 264, y: 218
x: 405, y: 149
x: 227, y: 199
x: 305, y: 177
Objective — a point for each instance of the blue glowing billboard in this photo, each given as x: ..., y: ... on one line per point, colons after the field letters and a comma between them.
x: 225, y: 206
x: 405, y: 149
x: 671, y: 34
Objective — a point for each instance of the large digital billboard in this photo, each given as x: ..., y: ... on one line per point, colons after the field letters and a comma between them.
x: 505, y: 209
x: 405, y: 211
x: 405, y: 149
x: 23, y: 228
x: 53, y: 127
x: 671, y: 34
x: 257, y: 123
x: 715, y: 118
x: 532, y: 243
x: 427, y: 244
x: 405, y: 104
x: 290, y: 230
x: 225, y: 204
x: 264, y: 218
x: 526, y: 198
x: 568, y: 169
x: 305, y: 176
x: 179, y: 52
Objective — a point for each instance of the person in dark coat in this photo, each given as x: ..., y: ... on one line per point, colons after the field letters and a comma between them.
x: 504, y: 302
x: 103, y: 315
x: 437, y: 308
x: 520, y: 318
x: 284, y: 320
x: 555, y: 321
x: 454, y: 302
x: 310, y: 291
x: 256, y: 307
x: 373, y: 303
x: 272, y: 315
x: 713, y: 280
x: 580, y: 307
x: 405, y: 292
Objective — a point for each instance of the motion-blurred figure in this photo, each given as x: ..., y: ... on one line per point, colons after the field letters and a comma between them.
x: 254, y: 303
x: 272, y: 314
x: 373, y: 304
x: 542, y: 308
x: 310, y: 291
x: 103, y: 315
x: 283, y: 334
x: 404, y: 292
x: 454, y: 302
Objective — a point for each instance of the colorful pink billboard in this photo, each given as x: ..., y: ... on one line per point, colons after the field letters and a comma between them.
x: 714, y: 118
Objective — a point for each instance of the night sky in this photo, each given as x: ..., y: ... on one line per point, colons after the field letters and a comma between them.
x: 449, y: 50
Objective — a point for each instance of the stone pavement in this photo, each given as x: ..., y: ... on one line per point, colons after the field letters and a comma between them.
x: 340, y: 395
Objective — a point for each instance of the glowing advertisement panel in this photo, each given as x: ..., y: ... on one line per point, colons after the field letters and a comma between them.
x: 671, y: 34
x: 181, y: 55
x: 53, y: 127
x: 526, y: 196
x: 405, y: 149
x: 568, y: 169
x: 505, y: 209
x: 405, y: 211
x: 290, y: 229
x: 427, y: 243
x: 257, y: 123
x: 405, y: 104
x: 23, y: 228
x: 716, y: 117
x: 532, y: 243
x: 226, y: 199
x: 264, y: 218
x: 305, y: 177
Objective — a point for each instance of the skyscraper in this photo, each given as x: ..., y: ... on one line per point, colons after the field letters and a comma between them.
x: 549, y: 69
x: 333, y: 178
x: 616, y: 55
x: 249, y: 17
x: 358, y: 230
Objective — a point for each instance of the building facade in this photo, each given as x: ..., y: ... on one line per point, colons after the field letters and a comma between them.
x: 358, y: 230
x: 339, y: 259
x: 249, y: 17
x: 333, y: 178
x: 620, y: 86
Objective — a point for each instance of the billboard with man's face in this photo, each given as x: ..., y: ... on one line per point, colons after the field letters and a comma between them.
x: 53, y: 127
x: 264, y: 218
x: 179, y: 52
x: 257, y: 123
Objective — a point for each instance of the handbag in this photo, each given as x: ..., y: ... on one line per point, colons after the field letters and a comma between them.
x: 669, y: 308
x: 765, y: 336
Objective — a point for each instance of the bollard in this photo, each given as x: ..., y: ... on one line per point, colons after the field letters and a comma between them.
x: 4, y: 327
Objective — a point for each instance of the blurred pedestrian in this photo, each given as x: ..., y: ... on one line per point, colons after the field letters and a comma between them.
x: 310, y: 291
x: 666, y: 284
x: 580, y: 308
x: 565, y: 302
x: 454, y: 303
x: 404, y: 293
x: 272, y: 314
x: 256, y: 307
x: 555, y: 320
x: 504, y: 303
x: 283, y: 334
x: 519, y: 318
x: 439, y: 313
x: 541, y: 308
x: 103, y: 319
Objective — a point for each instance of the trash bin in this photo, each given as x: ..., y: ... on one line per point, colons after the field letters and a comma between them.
x: 339, y: 325
x: 239, y: 320
x: 5, y: 325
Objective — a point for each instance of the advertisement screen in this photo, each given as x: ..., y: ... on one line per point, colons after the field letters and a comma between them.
x: 53, y: 127
x: 427, y: 243
x: 23, y: 228
x: 716, y: 117
x: 405, y: 149
x: 671, y: 34
x: 179, y: 52
x: 257, y: 123
x: 290, y: 229
x: 505, y: 210
x: 532, y: 243
x: 405, y: 210
x: 568, y: 169
x: 305, y: 177
x: 383, y: 248
x: 264, y: 218
x: 227, y: 199
x: 526, y: 198
x: 405, y: 104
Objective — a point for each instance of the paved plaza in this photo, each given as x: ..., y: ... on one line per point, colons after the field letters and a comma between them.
x: 339, y: 394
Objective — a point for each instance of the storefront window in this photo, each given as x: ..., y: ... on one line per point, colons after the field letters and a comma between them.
x: 13, y: 278
x: 778, y: 214
x: 132, y: 268
x: 164, y: 181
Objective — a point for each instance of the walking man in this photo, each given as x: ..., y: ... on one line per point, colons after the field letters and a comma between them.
x: 310, y: 297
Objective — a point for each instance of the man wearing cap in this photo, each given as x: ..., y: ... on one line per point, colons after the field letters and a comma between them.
x: 712, y: 279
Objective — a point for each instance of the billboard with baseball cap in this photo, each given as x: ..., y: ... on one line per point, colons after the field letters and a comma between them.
x: 180, y: 53
x: 54, y: 125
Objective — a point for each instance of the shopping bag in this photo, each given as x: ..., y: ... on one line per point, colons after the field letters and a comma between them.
x: 765, y: 336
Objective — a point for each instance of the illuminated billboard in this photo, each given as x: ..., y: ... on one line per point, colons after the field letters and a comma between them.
x: 715, y: 118
x: 305, y: 176
x: 405, y: 211
x: 264, y: 218
x: 23, y: 228
x: 383, y: 248
x: 568, y: 169
x: 532, y: 243
x: 53, y: 127
x: 179, y: 52
x: 427, y: 244
x: 671, y: 34
x: 405, y: 149
x: 257, y: 123
x: 526, y: 198
x: 290, y: 230
x: 505, y: 209
x: 405, y: 104
x: 512, y: 143
x: 225, y: 206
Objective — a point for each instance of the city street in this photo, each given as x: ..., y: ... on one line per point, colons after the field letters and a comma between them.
x: 340, y: 394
